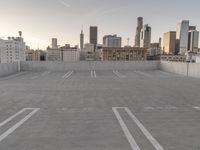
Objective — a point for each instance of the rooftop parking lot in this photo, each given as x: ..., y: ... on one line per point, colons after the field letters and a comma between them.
x: 99, y: 110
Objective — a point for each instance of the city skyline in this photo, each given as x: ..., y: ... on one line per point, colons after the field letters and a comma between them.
x: 40, y: 21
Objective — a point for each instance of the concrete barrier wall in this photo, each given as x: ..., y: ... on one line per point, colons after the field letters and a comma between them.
x: 194, y: 70
x: 8, y: 69
x: 89, y: 65
x: 174, y: 67
x: 186, y: 69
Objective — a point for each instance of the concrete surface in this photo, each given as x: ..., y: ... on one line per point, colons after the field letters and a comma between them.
x: 8, y: 68
x: 114, y: 110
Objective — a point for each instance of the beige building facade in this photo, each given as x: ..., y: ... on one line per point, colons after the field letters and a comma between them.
x: 169, y: 42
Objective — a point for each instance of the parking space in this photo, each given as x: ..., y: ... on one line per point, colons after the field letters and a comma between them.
x: 99, y: 110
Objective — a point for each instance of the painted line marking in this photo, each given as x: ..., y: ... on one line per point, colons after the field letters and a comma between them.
x: 149, y: 108
x: 35, y: 77
x: 196, y: 107
x: 148, y: 135
x: 68, y: 74
x: 13, y: 76
x: 125, y: 129
x: 12, y: 117
x: 118, y: 74
x: 93, y: 74
x: 172, y: 107
x: 45, y: 73
x: 17, y: 125
x: 66, y: 77
x: 41, y: 75
x: 144, y: 74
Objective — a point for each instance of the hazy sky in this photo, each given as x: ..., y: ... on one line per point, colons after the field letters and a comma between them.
x: 40, y: 20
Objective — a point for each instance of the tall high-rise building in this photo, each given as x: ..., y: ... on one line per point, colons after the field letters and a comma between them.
x: 112, y: 41
x: 169, y: 42
x: 193, y: 40
x: 54, y: 43
x: 94, y: 35
x: 145, y: 36
x: 82, y: 40
x: 182, y: 36
x: 138, y: 31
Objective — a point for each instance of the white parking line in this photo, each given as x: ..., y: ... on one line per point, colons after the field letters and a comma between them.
x: 93, y: 74
x: 12, y: 117
x: 149, y: 108
x: 197, y: 107
x: 46, y: 73
x: 68, y: 74
x: 41, y: 75
x: 17, y: 125
x: 35, y: 77
x: 127, y: 133
x: 118, y: 74
x: 13, y: 76
x: 148, y: 135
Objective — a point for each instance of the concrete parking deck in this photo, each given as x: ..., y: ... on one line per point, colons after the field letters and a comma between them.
x: 99, y: 110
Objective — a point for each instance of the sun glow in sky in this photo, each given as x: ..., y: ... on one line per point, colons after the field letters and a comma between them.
x: 41, y: 20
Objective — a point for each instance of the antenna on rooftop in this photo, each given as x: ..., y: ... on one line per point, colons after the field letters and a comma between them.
x: 128, y: 40
x: 20, y: 33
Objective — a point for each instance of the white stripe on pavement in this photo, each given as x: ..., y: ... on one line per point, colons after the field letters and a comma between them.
x: 17, y: 125
x: 13, y: 76
x: 94, y: 73
x: 35, y: 77
x: 197, y: 107
x: 66, y: 77
x: 46, y: 73
x: 118, y: 74
x: 68, y: 74
x: 127, y: 133
x: 12, y: 117
x: 91, y: 73
x: 148, y: 135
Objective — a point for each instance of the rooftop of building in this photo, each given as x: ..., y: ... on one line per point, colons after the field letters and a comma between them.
x: 97, y: 108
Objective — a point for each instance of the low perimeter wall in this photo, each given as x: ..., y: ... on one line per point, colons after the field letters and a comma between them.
x: 8, y: 69
x: 89, y: 65
x: 186, y: 69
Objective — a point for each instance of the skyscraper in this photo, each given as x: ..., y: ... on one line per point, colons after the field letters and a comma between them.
x: 145, y: 36
x: 193, y: 40
x: 169, y: 42
x: 138, y: 31
x: 182, y: 36
x: 112, y: 41
x: 81, y: 39
x: 93, y: 35
x: 54, y: 43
